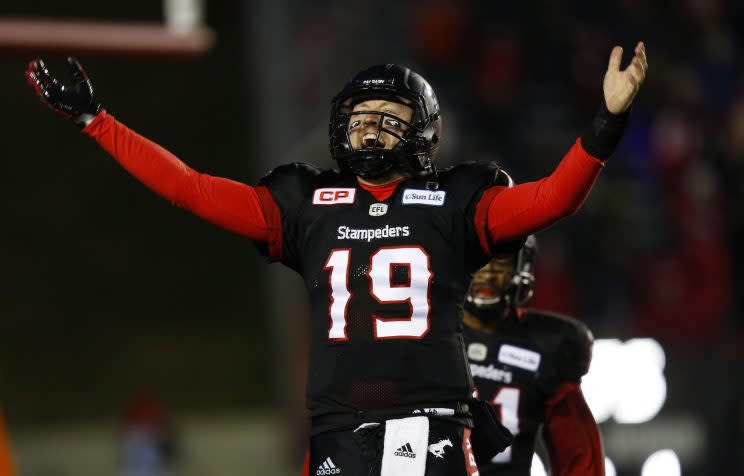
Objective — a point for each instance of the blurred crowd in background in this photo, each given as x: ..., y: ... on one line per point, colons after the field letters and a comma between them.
x: 134, y: 295
x: 655, y: 250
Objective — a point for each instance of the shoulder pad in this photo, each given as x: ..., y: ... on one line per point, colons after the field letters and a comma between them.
x: 576, y: 350
x: 482, y: 172
x: 296, y: 173
x: 573, y: 342
x: 468, y: 181
x: 291, y: 183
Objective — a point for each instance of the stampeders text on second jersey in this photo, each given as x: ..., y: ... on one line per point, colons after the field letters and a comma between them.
x: 385, y: 291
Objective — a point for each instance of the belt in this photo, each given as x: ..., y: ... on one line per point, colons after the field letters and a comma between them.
x: 456, y: 411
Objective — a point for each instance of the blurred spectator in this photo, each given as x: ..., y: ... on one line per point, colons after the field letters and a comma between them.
x: 147, y: 446
x: 438, y: 34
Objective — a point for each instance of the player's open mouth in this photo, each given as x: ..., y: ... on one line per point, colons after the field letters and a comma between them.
x: 485, y: 293
x: 370, y: 141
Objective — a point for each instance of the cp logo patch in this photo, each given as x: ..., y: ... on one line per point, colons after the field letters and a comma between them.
x: 334, y: 196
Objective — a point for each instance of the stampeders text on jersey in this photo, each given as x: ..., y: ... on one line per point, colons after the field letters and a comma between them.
x: 369, y: 234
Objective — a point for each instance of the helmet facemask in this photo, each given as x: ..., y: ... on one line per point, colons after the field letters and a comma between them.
x: 490, y: 293
x: 372, y: 158
x: 503, y: 285
x: 416, y: 140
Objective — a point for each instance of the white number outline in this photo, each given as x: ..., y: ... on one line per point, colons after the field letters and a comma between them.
x: 339, y: 295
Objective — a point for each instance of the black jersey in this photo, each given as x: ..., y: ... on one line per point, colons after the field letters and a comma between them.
x: 385, y: 282
x: 519, y: 369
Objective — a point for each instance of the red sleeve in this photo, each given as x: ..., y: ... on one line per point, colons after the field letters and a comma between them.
x: 231, y: 205
x: 505, y: 214
x: 571, y: 435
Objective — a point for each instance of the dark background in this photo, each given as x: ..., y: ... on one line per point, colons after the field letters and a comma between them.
x: 106, y: 289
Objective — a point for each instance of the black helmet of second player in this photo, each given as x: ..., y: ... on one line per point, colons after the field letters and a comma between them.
x: 417, y: 146
x: 504, y: 283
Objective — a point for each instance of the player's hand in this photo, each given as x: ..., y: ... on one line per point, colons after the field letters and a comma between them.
x: 621, y: 86
x: 75, y: 101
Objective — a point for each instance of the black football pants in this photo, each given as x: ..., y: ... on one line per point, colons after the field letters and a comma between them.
x: 359, y: 453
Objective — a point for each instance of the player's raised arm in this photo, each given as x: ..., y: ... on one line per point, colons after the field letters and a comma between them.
x: 518, y: 211
x: 229, y: 204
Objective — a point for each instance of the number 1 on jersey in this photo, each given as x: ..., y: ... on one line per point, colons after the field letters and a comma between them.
x: 507, y: 401
x: 381, y: 265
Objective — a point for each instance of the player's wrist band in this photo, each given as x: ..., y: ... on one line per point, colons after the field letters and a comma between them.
x: 601, y: 137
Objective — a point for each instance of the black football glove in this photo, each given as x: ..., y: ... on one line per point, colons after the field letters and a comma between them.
x: 75, y: 102
x: 489, y: 437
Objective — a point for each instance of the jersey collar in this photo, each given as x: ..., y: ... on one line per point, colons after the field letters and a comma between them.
x: 381, y: 192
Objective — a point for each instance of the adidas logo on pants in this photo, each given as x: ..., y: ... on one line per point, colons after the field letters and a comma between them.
x: 327, y: 468
x: 406, y: 451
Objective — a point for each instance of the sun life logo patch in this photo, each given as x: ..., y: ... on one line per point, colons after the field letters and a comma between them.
x: 519, y: 357
x: 412, y: 196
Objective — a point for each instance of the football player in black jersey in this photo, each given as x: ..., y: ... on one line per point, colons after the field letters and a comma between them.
x: 528, y: 364
x: 387, y: 245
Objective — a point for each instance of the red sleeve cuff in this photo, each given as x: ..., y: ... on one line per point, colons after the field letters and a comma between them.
x: 589, y: 156
x: 92, y: 128
x: 273, y: 217
x: 481, y: 218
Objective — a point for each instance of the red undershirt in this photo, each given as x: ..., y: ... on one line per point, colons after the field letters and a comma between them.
x: 381, y: 192
x: 502, y: 214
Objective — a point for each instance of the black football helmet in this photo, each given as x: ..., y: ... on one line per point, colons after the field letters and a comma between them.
x: 504, y: 283
x: 417, y: 146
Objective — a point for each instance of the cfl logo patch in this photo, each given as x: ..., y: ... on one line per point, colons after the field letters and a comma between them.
x: 378, y: 209
x: 334, y: 196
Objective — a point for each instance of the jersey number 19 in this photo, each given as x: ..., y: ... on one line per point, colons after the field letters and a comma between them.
x: 380, y: 273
